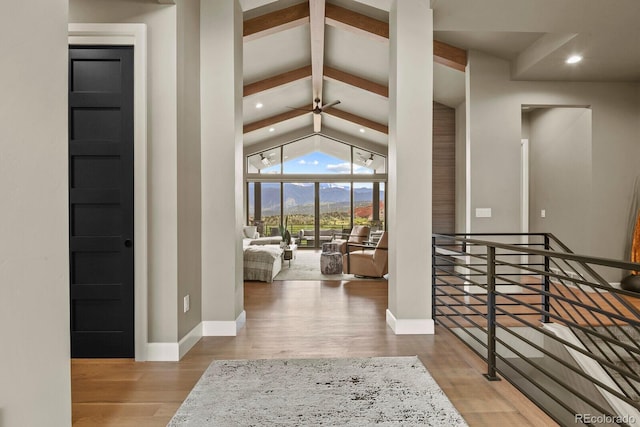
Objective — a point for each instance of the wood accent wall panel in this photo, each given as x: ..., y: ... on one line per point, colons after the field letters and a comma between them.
x: 444, y: 176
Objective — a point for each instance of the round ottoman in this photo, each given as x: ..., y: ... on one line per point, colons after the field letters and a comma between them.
x: 331, y: 263
x: 330, y: 247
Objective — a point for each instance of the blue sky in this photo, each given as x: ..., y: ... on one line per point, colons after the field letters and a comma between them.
x: 318, y: 163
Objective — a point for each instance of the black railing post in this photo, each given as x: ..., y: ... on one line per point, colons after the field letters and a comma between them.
x: 545, y: 296
x: 491, y: 314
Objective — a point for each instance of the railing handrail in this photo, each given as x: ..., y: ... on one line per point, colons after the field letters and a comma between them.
x: 582, y: 299
x: 606, y: 262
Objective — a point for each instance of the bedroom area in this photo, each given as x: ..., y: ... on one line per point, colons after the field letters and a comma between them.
x: 303, y: 200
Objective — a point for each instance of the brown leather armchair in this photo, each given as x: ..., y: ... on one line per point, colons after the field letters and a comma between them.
x: 358, y: 234
x: 368, y: 262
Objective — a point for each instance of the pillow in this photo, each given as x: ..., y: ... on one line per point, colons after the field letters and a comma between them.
x: 249, y: 231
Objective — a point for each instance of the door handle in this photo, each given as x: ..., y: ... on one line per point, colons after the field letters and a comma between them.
x: 128, y: 243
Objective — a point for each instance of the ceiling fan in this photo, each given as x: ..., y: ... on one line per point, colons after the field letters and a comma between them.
x: 266, y: 160
x: 318, y: 109
x: 366, y: 160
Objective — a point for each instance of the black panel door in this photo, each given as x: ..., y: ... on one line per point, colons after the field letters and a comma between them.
x: 101, y: 201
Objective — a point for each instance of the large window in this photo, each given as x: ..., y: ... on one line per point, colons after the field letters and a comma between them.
x: 267, y: 162
x: 316, y: 186
x: 309, y: 157
x: 363, y: 203
x: 334, y: 205
x: 271, y: 207
x: 316, y: 155
x: 299, y: 207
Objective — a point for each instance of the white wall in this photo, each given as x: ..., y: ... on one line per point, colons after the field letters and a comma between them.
x: 560, y: 175
x: 189, y: 206
x: 161, y: 21
x: 35, y: 387
x: 495, y: 130
x: 222, y: 165
x: 410, y: 166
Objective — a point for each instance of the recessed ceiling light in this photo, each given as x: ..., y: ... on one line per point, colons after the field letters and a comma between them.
x: 272, y: 129
x: 361, y: 130
x: 574, y: 59
x: 259, y: 105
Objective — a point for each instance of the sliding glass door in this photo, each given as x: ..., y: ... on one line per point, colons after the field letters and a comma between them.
x: 271, y: 207
x: 334, y: 208
x: 299, y: 211
x: 314, y: 211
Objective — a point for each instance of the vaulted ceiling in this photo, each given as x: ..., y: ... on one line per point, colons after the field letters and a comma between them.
x: 300, y: 51
x: 300, y: 55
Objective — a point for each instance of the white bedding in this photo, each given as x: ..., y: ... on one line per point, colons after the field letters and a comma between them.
x: 262, y: 262
x: 270, y: 240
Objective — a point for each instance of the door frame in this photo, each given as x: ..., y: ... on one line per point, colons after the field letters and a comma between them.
x: 131, y: 35
x: 524, y: 195
x: 524, y: 185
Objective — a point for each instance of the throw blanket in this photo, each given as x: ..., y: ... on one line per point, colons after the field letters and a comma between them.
x: 272, y: 240
x: 259, y: 261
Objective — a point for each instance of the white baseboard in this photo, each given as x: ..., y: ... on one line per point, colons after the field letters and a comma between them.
x: 163, y: 352
x: 224, y: 328
x: 188, y: 341
x: 410, y: 326
x: 173, y: 351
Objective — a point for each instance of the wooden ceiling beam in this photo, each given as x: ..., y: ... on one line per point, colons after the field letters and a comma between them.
x: 269, y: 121
x: 359, y: 82
x: 273, y: 22
x: 451, y: 56
x: 345, y: 19
x: 341, y: 114
x: 279, y: 80
x: 349, y: 20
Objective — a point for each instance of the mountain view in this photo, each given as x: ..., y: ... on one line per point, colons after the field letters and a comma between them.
x: 299, y: 206
x: 299, y: 198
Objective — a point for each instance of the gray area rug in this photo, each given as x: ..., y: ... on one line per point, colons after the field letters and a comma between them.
x: 385, y: 391
x: 306, y: 266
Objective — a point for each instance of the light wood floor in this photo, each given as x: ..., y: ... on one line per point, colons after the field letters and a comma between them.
x: 296, y: 319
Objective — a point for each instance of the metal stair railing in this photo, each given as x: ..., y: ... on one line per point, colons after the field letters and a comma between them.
x: 506, y: 296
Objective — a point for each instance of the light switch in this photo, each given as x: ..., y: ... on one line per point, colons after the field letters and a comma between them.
x: 543, y: 213
x: 483, y: 212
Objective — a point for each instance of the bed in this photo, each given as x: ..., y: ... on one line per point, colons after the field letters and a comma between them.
x: 270, y: 240
x: 262, y: 262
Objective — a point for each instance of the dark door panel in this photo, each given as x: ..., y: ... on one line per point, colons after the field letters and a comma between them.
x: 101, y: 201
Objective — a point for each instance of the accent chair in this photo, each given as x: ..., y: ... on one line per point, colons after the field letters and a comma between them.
x: 362, y: 260
x: 358, y: 234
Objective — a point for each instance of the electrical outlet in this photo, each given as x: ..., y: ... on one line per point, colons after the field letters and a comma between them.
x: 186, y: 303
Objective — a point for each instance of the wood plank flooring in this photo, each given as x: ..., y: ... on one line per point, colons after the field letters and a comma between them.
x: 296, y: 319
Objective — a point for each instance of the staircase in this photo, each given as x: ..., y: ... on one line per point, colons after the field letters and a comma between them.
x: 615, y: 349
x: 543, y: 318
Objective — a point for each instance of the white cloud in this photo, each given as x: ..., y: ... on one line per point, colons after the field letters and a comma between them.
x: 340, y: 168
x: 304, y: 162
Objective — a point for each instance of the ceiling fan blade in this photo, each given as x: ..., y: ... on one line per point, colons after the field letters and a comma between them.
x: 300, y: 109
x: 331, y: 104
x: 317, y: 120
